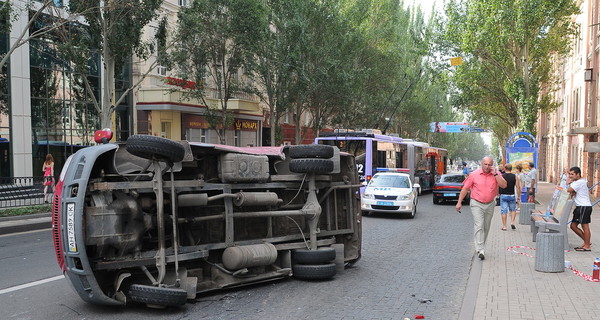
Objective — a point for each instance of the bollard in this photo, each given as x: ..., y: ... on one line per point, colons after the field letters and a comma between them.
x: 525, y: 213
x: 549, y: 252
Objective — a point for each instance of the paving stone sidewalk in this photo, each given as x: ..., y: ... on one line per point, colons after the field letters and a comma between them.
x: 510, y: 288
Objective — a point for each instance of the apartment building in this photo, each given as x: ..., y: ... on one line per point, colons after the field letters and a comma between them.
x: 568, y: 136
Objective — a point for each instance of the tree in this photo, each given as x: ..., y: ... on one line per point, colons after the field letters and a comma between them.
x: 276, y: 61
x: 505, y: 46
x: 218, y: 40
x: 114, y: 28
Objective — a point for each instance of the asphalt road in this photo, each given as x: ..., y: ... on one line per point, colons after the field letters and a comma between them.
x: 409, y: 267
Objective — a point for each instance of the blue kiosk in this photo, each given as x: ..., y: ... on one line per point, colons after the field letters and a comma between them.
x: 522, y: 148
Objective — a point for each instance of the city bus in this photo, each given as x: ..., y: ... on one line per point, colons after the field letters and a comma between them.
x: 372, y: 151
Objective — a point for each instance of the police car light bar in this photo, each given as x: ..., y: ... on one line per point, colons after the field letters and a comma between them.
x: 392, y: 169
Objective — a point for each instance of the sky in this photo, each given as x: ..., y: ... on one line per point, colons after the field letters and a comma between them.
x: 426, y: 5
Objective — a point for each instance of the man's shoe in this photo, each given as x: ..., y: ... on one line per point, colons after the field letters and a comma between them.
x: 513, y: 226
x: 481, y: 255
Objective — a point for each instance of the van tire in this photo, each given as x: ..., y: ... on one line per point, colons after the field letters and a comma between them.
x: 155, y: 296
x: 321, y: 255
x: 314, y: 271
x: 311, y: 165
x: 311, y: 151
x: 151, y: 147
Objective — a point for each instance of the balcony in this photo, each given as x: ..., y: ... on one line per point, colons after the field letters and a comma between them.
x: 242, y: 102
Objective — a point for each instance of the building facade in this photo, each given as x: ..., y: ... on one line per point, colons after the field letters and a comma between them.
x: 568, y: 136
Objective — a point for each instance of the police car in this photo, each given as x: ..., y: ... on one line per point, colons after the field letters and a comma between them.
x: 390, y: 190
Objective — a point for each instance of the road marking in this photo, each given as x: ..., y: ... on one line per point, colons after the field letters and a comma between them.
x: 31, y: 284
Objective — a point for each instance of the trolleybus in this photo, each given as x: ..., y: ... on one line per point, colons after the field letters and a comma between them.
x: 423, y: 162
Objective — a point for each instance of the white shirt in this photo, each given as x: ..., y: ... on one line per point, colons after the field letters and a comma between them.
x: 582, y: 197
x: 530, y: 176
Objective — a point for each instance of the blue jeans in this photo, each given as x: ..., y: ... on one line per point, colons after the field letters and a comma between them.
x: 507, y: 203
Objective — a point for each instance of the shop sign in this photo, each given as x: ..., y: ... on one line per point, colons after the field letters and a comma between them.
x: 246, y: 125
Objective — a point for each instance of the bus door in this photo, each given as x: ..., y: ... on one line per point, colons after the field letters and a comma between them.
x: 431, y: 173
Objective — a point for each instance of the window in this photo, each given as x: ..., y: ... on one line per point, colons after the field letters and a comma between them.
x: 161, y: 71
x: 236, y: 138
x: 286, y: 117
x: 184, y: 3
x: 576, y: 111
x: 196, y: 135
x: 165, y: 130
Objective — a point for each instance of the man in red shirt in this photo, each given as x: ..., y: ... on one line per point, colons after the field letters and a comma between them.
x: 483, y: 184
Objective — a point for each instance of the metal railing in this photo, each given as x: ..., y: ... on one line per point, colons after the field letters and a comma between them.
x: 22, y: 191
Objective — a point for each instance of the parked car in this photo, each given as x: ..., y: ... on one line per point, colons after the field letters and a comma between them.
x: 448, y: 187
x: 156, y: 221
x: 391, y: 192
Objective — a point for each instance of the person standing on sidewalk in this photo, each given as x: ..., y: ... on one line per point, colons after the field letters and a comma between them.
x: 583, y: 208
x: 508, y: 201
x: 532, y: 178
x: 483, y: 184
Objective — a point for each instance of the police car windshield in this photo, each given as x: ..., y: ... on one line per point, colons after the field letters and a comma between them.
x: 392, y: 181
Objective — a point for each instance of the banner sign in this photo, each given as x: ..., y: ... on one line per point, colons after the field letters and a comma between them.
x: 450, y: 127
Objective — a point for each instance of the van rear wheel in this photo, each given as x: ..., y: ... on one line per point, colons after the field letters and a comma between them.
x: 156, y: 296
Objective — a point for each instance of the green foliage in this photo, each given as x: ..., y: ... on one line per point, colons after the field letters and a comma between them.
x: 506, y: 47
x: 216, y: 39
x: 20, y: 211
x: 113, y: 28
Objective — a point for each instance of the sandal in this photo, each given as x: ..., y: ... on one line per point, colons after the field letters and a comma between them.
x: 503, y: 228
x: 580, y: 249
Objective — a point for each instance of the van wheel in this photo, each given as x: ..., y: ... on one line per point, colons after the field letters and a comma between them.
x: 311, y: 165
x: 321, y: 255
x: 151, y: 147
x: 314, y: 271
x: 311, y: 151
x: 156, y: 296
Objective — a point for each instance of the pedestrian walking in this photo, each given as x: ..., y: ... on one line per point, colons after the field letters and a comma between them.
x: 465, y: 168
x: 582, y: 215
x: 521, y: 177
x: 48, y: 169
x: 508, y: 200
x: 483, y: 184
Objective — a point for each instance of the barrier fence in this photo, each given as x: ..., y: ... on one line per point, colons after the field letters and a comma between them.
x: 22, y: 191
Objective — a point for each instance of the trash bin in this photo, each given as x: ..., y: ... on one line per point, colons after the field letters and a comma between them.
x: 549, y: 252
x: 525, y: 213
x: 523, y: 195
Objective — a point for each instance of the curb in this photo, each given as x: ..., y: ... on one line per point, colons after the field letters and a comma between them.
x: 31, y: 222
